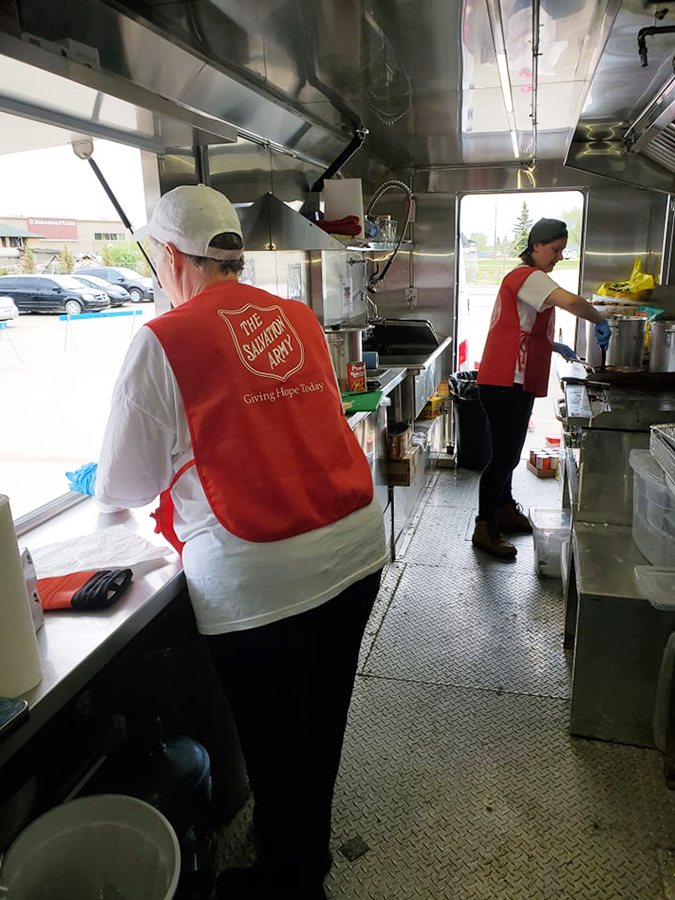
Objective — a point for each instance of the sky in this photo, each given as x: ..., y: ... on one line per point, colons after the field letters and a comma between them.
x: 54, y: 183
x: 495, y: 214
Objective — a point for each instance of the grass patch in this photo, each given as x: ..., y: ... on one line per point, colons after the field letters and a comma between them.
x: 491, y: 271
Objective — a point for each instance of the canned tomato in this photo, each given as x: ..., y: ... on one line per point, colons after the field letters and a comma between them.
x: 356, y: 376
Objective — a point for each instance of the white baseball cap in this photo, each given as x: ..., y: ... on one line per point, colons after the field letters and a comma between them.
x: 189, y: 217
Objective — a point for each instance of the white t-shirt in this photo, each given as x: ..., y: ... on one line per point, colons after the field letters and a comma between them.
x: 233, y: 584
x: 532, y: 295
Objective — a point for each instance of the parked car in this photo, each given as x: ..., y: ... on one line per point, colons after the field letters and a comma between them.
x: 117, y: 294
x: 52, y: 293
x: 139, y: 287
x: 8, y: 309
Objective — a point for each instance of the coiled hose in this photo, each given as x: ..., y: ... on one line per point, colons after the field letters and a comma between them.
x: 376, y: 278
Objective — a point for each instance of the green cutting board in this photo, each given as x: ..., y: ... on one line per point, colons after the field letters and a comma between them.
x: 361, y: 401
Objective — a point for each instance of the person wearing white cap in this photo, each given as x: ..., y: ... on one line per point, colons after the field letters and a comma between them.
x: 515, y: 369
x: 227, y: 407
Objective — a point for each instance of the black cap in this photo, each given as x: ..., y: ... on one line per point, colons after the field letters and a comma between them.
x: 546, y: 230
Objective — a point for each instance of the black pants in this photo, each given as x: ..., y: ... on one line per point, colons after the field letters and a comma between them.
x: 290, y: 684
x: 508, y: 410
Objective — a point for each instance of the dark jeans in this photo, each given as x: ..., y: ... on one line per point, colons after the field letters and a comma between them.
x: 290, y: 684
x: 508, y: 410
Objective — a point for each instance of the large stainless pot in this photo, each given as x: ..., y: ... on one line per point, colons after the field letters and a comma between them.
x: 344, y: 346
x: 627, y: 341
x: 608, y: 309
x: 662, y: 352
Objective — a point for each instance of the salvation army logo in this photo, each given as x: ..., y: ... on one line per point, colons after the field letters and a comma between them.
x: 266, y: 342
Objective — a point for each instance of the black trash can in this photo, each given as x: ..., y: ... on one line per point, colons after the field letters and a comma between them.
x: 470, y: 424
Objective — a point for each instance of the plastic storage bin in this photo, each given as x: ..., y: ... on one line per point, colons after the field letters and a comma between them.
x: 653, y: 510
x: 550, y: 530
x: 657, y: 585
x: 107, y: 845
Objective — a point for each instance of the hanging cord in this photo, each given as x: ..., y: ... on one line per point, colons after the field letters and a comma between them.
x: 376, y: 278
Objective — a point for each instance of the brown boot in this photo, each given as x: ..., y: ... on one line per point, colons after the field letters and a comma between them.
x: 486, y: 536
x: 511, y: 517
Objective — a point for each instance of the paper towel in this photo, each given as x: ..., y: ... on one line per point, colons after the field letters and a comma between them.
x: 20, y: 668
x: 113, y: 548
x: 343, y: 197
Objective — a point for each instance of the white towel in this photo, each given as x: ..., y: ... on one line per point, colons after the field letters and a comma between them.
x: 112, y: 548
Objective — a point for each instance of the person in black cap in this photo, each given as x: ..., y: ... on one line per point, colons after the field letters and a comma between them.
x: 515, y: 369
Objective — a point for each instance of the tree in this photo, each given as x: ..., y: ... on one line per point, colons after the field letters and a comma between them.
x: 106, y: 256
x: 480, y: 240
x: 521, y: 231
x: 28, y: 262
x: 67, y: 261
x: 127, y: 254
x: 572, y: 217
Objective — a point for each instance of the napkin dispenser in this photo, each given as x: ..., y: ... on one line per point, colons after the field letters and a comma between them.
x: 30, y: 577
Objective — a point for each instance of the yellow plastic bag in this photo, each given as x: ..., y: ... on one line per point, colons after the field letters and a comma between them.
x: 636, y: 284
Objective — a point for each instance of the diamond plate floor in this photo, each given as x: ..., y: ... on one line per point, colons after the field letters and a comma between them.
x: 458, y: 771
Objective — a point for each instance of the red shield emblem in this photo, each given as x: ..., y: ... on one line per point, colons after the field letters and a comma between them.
x: 266, y: 342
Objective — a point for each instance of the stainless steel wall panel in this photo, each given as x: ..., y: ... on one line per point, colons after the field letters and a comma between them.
x: 429, y: 266
x: 622, y: 222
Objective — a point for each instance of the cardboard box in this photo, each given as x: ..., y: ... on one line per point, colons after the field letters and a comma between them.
x: 402, y: 472
x: 399, y: 441
x: 541, y: 472
x: 433, y: 407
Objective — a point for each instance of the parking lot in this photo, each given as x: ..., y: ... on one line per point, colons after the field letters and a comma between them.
x: 56, y: 379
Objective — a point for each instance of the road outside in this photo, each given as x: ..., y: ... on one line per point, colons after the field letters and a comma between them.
x: 56, y: 379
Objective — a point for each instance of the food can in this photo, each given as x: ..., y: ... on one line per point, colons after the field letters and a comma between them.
x: 356, y: 376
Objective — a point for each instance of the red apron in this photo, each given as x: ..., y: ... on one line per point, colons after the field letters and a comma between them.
x: 274, y: 452
x: 507, y: 344
x: 163, y: 515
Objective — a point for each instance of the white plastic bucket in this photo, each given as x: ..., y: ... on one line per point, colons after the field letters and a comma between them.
x: 108, y: 847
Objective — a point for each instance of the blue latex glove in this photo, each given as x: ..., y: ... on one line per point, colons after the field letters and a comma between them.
x: 84, y: 479
x: 602, y: 333
x: 565, y: 351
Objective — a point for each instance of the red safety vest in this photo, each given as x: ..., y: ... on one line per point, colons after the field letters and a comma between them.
x: 274, y: 452
x: 507, y: 343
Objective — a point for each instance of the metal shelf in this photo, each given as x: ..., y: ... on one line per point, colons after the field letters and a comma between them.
x: 378, y: 245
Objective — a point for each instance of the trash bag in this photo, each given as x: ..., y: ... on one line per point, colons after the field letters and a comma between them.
x: 470, y: 425
x: 463, y: 386
x: 636, y: 284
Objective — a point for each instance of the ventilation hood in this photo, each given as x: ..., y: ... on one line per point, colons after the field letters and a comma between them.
x: 269, y: 224
x: 626, y: 129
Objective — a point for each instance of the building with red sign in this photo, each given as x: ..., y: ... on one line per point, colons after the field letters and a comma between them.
x: 47, y: 236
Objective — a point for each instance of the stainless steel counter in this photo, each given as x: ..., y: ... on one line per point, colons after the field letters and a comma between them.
x: 385, y: 380
x: 422, y: 375
x: 618, y: 636
x: 74, y: 646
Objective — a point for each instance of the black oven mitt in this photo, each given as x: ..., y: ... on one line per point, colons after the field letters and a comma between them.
x: 84, y: 590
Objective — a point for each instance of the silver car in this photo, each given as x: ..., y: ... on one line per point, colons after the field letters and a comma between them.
x: 8, y: 309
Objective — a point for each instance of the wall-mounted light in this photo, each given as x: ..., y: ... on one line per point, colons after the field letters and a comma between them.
x: 514, y: 144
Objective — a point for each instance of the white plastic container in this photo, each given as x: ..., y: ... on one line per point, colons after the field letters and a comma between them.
x: 550, y: 529
x: 107, y: 845
x: 657, y: 585
x: 653, y: 510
